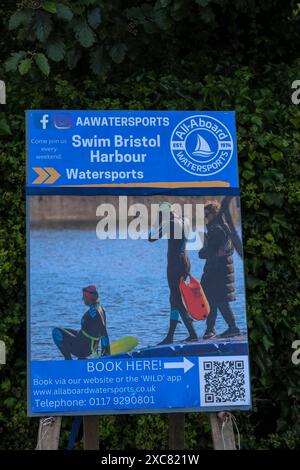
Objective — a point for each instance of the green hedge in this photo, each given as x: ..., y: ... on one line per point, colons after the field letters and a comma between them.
x: 268, y: 127
x: 97, y: 35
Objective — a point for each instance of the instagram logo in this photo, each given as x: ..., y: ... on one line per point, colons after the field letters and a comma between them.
x: 63, y: 121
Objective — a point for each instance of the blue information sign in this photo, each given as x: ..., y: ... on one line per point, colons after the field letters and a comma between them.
x: 75, y: 149
x: 116, y: 322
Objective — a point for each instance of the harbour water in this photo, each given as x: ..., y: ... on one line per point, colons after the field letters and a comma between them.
x: 130, y: 276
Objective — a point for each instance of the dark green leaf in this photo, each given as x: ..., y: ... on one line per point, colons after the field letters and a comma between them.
x: 49, y: 6
x: 56, y: 49
x: 96, y: 60
x: 11, y: 64
x: 135, y: 13
x: 248, y: 174
x: 20, y: 17
x: 4, y: 127
x: 84, y: 34
x: 42, y: 63
x: 276, y: 155
x: 64, y: 12
x: 161, y: 19
x: 207, y: 15
x: 202, y: 3
x: 24, y: 66
x: 165, y: 3
x: 274, y: 199
x: 267, y: 343
x: 94, y: 17
x: 43, y: 26
x: 256, y: 120
x: 73, y: 56
x: 9, y: 402
x: 117, y: 52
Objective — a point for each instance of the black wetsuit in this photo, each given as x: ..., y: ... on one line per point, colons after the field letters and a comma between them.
x: 178, y: 266
x: 84, y: 342
x: 218, y: 273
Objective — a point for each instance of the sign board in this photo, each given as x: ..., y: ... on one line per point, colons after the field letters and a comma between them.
x: 136, y: 296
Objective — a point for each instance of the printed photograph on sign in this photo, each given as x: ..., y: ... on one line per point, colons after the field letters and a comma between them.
x: 154, y: 280
x: 166, y: 272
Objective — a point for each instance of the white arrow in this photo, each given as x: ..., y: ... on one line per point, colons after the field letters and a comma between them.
x: 186, y: 365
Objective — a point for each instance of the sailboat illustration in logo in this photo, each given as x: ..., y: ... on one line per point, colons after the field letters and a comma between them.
x: 202, y: 148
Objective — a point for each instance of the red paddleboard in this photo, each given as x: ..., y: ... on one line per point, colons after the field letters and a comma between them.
x: 194, y: 299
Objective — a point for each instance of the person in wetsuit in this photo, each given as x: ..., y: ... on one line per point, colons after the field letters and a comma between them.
x: 218, y: 273
x: 85, y: 342
x: 178, y: 265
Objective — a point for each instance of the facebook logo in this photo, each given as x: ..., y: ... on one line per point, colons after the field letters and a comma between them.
x: 42, y: 121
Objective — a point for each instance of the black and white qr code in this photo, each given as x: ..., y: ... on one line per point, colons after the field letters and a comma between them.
x: 224, y: 382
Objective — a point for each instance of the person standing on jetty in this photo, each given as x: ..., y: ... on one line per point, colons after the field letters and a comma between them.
x: 178, y: 266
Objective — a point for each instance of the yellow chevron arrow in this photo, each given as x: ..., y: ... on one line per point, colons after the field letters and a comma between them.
x: 46, y: 175
x: 42, y: 175
x: 54, y: 175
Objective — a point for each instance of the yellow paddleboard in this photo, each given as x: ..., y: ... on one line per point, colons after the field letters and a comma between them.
x: 123, y: 345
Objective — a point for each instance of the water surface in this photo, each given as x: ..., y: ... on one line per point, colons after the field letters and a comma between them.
x: 131, y: 279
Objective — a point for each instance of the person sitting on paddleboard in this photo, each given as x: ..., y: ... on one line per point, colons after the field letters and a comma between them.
x: 85, y: 342
x: 178, y: 265
x: 218, y: 273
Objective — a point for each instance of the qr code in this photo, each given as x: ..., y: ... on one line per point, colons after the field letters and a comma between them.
x: 224, y: 381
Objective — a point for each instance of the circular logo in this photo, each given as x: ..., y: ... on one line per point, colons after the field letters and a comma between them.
x: 201, y: 145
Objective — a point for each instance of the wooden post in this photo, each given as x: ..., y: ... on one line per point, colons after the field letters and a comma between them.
x: 91, y: 432
x: 48, y: 435
x: 176, y: 431
x: 222, y: 431
x: 221, y: 428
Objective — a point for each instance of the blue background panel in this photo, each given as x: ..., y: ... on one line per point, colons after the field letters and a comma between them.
x: 135, y: 148
x: 113, y: 384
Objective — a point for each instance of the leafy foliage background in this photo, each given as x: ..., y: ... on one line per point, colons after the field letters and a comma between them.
x: 166, y: 54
